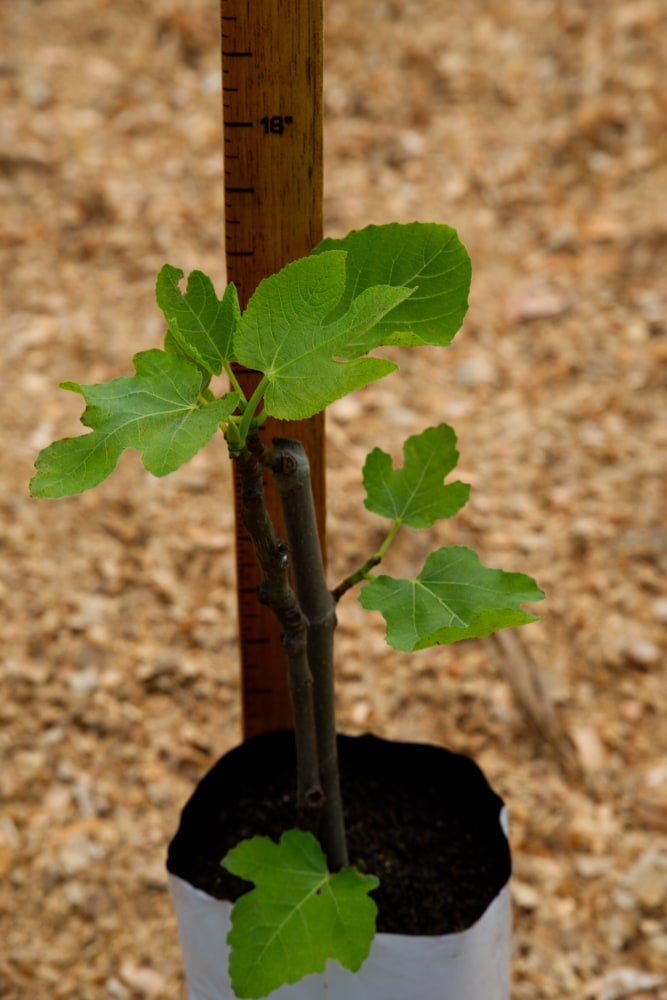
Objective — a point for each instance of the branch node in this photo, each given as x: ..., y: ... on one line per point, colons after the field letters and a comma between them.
x: 286, y: 465
x: 282, y: 554
x: 315, y: 797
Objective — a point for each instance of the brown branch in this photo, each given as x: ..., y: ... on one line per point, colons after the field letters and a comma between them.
x: 276, y: 592
x: 289, y: 464
x: 354, y: 578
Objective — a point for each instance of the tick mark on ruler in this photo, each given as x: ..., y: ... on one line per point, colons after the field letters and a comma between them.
x: 237, y: 55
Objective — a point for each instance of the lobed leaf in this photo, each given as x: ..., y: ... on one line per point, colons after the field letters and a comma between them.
x: 415, y: 495
x: 157, y: 411
x: 424, y: 256
x: 309, y: 359
x: 298, y: 916
x: 199, y: 324
x: 454, y: 597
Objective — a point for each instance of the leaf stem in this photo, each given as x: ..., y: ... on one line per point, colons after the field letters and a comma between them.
x: 364, y: 571
x: 236, y: 385
x: 231, y: 431
x: 391, y: 535
x: 249, y: 412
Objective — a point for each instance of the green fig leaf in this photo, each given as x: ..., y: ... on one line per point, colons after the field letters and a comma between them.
x: 310, y: 360
x: 415, y: 494
x: 298, y: 916
x: 424, y: 256
x: 198, y: 323
x: 454, y: 597
x: 158, y: 411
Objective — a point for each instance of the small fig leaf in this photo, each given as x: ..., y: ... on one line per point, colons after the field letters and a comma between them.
x: 298, y: 916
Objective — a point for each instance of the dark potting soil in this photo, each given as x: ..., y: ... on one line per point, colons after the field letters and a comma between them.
x: 424, y: 820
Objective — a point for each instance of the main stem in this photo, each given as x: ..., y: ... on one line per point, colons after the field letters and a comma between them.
x: 276, y: 593
x: 291, y: 471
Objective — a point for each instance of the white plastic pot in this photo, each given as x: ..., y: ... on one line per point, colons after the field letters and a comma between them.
x: 473, y: 964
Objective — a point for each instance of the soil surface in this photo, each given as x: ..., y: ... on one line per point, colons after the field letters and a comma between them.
x: 422, y: 819
x: 539, y: 130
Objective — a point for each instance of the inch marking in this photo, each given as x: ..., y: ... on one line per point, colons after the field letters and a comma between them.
x: 240, y: 190
x: 237, y: 55
x: 275, y: 124
x: 239, y: 124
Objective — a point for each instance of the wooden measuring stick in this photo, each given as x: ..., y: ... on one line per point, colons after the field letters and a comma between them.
x: 272, y: 99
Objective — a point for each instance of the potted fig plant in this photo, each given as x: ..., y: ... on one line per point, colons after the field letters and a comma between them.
x: 297, y: 847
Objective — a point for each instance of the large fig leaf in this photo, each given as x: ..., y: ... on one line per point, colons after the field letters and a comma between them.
x: 425, y: 256
x: 158, y: 411
x: 288, y: 333
x: 454, y: 597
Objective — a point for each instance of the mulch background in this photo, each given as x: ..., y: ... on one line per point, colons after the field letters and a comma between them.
x: 539, y: 130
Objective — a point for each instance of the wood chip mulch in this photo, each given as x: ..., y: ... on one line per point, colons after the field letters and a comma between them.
x: 537, y: 129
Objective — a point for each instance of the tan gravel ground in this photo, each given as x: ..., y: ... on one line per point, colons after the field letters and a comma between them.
x: 539, y: 130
